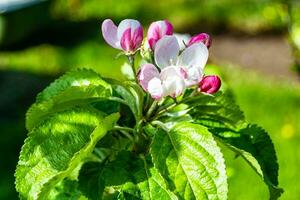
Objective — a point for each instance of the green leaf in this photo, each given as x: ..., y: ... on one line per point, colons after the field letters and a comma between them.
x: 146, y: 182
x: 74, y: 88
x: 129, y: 191
x: 190, y: 160
x: 65, y: 100
x: 226, y: 121
x: 150, y: 183
x: 131, y: 177
x: 132, y: 95
x: 91, y: 181
x: 57, y: 147
x: 74, y: 78
x: 216, y: 111
x: 66, y: 190
x: 255, y: 146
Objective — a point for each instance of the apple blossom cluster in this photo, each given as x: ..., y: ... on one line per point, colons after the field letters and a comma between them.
x: 171, y: 69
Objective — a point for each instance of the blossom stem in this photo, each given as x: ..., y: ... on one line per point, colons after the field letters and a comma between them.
x: 147, y: 102
x: 119, y: 128
x: 166, y: 106
x: 151, y: 109
x: 127, y: 135
x: 195, y: 91
x: 165, y: 109
x: 169, y: 106
x: 116, y: 99
x: 159, y: 123
x: 125, y: 131
x: 131, y: 62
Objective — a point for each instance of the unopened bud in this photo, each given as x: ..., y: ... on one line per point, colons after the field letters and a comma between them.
x: 210, y: 84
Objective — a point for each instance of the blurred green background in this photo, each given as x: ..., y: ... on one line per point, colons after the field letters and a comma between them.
x: 256, y: 45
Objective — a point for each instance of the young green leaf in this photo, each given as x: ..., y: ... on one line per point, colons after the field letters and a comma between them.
x: 56, y: 147
x: 190, y: 160
x: 131, y: 95
x: 74, y: 88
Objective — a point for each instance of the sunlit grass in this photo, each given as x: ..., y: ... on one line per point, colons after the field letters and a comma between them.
x: 48, y: 59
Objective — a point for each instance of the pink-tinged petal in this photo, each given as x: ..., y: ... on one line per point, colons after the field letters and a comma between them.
x: 168, y: 28
x: 137, y: 38
x: 152, y: 42
x: 166, y: 51
x: 209, y: 84
x: 183, y: 73
x: 194, y: 56
x: 153, y: 34
x: 130, y: 33
x: 109, y: 32
x: 155, y: 88
x: 146, y: 73
x: 157, y: 30
x: 126, y: 40
x: 202, y: 37
x: 126, y: 24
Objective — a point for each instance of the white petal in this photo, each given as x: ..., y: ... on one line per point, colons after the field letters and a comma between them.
x: 173, y: 82
x: 155, y: 88
x: 173, y: 86
x: 109, y: 32
x: 195, y: 74
x: 166, y: 51
x: 183, y: 39
x: 194, y: 56
x: 126, y: 24
x: 169, y: 72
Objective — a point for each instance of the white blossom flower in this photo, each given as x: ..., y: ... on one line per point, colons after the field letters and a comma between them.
x: 177, y: 71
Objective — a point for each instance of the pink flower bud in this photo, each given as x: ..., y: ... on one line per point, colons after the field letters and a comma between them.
x: 209, y: 84
x: 157, y: 30
x: 127, y: 36
x: 202, y: 37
